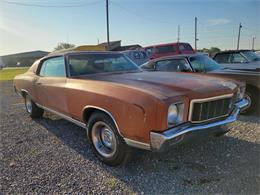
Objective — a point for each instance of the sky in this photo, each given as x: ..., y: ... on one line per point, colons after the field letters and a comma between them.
x: 27, y: 25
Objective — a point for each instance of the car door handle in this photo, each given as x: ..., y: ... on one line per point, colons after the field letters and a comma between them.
x: 38, y: 83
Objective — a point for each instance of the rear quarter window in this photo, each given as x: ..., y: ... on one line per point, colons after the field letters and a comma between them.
x: 166, y: 49
x: 222, y: 58
x: 185, y: 47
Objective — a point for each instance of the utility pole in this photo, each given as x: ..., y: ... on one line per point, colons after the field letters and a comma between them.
x: 178, y: 33
x: 107, y: 23
x: 238, y: 39
x: 196, y: 38
x: 253, y: 44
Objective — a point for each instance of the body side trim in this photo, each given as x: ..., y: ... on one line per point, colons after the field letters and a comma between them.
x: 137, y: 144
x: 63, y: 116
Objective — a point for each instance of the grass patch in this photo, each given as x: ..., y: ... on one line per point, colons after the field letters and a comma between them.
x: 8, y: 74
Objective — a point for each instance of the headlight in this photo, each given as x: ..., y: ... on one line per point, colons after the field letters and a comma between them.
x: 175, y: 114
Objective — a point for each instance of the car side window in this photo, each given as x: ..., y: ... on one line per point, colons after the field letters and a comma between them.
x: 149, y: 51
x: 165, y: 49
x: 173, y: 65
x: 237, y: 58
x: 53, y: 67
x: 137, y: 55
x: 222, y: 58
x: 148, y: 66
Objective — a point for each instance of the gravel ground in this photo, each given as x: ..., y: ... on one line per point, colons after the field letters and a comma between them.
x: 51, y: 155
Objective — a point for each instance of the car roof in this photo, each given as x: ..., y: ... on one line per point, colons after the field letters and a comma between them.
x: 232, y: 51
x: 165, y: 44
x: 63, y: 53
x: 181, y: 56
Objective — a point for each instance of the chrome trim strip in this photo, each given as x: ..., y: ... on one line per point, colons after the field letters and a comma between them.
x: 137, y: 144
x: 205, y: 100
x: 158, y: 140
x: 102, y: 109
x: 130, y: 142
x: 63, y: 116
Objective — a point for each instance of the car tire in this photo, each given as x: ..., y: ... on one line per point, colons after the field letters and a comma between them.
x: 33, y: 110
x: 251, y: 95
x: 106, y: 142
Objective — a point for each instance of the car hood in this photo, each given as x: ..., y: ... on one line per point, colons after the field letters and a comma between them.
x: 169, y: 84
x: 251, y: 66
x: 244, y: 71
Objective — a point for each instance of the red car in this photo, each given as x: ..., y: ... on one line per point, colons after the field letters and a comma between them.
x: 168, y: 49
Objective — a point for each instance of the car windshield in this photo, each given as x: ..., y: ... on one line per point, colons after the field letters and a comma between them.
x: 251, y: 56
x: 83, y: 64
x: 203, y: 63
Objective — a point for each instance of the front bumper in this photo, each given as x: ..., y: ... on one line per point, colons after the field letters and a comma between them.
x: 160, y: 141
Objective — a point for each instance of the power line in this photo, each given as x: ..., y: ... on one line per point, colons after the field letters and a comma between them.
x: 48, y: 6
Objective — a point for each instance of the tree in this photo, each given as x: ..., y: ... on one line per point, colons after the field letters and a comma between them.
x: 214, y: 50
x: 62, y: 46
x: 210, y: 51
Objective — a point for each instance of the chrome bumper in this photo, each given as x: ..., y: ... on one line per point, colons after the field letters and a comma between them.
x: 160, y: 141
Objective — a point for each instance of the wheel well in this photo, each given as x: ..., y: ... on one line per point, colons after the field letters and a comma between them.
x: 252, y: 89
x: 90, y: 110
x: 23, y: 93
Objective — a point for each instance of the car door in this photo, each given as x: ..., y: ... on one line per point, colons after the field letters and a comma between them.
x: 50, y: 84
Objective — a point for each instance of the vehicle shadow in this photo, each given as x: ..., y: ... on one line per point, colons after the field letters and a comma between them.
x: 223, y: 163
x: 252, y: 117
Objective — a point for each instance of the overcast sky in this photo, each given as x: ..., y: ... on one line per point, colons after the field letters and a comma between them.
x: 27, y: 25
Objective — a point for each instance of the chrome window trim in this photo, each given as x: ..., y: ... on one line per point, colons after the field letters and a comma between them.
x: 206, y: 100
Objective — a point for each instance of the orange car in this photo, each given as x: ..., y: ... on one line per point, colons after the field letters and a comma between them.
x: 122, y: 107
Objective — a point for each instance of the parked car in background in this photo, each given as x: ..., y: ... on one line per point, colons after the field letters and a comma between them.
x: 199, y: 63
x: 1, y: 64
x: 258, y: 53
x: 137, y: 56
x: 239, y: 59
x: 168, y: 49
x: 122, y: 106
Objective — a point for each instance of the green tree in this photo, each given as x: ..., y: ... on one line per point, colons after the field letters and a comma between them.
x: 210, y: 51
x: 62, y: 46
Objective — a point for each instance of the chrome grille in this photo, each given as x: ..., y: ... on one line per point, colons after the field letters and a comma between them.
x: 208, y: 109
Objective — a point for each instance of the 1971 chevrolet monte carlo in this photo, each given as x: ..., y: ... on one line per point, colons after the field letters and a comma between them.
x: 122, y: 106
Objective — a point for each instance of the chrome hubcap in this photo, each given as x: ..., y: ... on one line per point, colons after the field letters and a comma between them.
x: 28, y: 104
x: 103, y: 139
